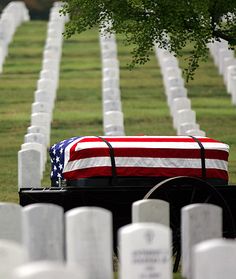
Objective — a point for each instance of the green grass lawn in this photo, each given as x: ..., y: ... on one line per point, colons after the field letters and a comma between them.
x: 78, y: 109
x: 17, y: 86
x: 215, y: 112
x: 143, y: 98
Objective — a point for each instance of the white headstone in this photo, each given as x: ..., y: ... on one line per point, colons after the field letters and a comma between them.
x: 89, y: 241
x: 110, y: 63
x: 228, y: 62
x: 47, y: 270
x: 114, y: 130
x: 110, y: 83
x: 48, y: 85
x: 176, y: 92
x: 41, y: 119
x: 233, y: 89
x: 185, y: 127
x: 11, y: 222
x: 217, y: 47
x: 111, y: 94
x: 40, y: 107
x: 54, y: 24
x: 40, y: 148
x: 173, y: 82
x: 195, y: 132
x: 223, y: 53
x: 145, y: 251
x: 12, y: 255
x: 162, y: 53
x: 167, y: 62
x: 220, y: 48
x: 36, y: 129
x: 43, y: 232
x: 214, y: 259
x: 108, y: 45
x: 35, y: 137
x: 172, y: 72
x: 111, y: 73
x: 45, y: 121
x: 199, y: 222
x: 51, y: 64
x: 183, y: 116
x: 41, y: 130
x: 151, y: 210
x: 44, y: 96
x: 38, y: 138
x: 49, y: 74
x: 107, y: 38
x: 179, y: 104
x: 231, y: 72
x: 111, y: 105
x: 54, y: 33
x: 114, y: 118
x: 51, y: 44
x: 109, y: 54
x: 29, y: 169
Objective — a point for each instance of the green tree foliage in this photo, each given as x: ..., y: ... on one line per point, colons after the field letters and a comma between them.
x: 146, y: 22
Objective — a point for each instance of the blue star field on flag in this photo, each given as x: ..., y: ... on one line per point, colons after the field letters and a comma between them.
x: 56, y: 152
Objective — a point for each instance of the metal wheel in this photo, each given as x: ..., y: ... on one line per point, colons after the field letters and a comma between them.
x: 184, y: 190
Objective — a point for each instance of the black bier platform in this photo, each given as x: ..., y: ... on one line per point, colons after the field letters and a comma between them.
x: 119, y: 199
x: 116, y: 199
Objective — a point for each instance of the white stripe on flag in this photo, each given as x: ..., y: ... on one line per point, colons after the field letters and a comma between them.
x: 144, y: 162
x: 160, y: 145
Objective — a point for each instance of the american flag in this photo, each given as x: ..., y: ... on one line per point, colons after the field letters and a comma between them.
x: 147, y: 156
x: 56, y: 153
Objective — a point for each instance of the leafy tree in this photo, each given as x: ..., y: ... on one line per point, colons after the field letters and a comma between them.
x: 146, y: 22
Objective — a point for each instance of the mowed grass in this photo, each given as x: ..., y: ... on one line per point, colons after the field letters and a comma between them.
x: 17, y: 86
x: 215, y: 111
x: 143, y: 98
x: 78, y: 108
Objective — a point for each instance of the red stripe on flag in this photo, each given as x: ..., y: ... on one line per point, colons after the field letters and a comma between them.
x: 148, y: 172
x: 147, y: 152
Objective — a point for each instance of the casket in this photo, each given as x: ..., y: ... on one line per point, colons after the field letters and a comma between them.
x: 114, y: 160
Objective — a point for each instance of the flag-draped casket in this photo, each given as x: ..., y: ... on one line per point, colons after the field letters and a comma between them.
x: 138, y: 156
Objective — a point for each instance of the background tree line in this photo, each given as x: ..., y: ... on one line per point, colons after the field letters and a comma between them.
x: 39, y: 9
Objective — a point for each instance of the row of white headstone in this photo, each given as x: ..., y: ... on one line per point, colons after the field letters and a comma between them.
x: 113, y: 120
x: 184, y: 118
x: 224, y: 58
x: 13, y: 15
x: 33, y: 154
x: 36, y: 232
x: 39, y: 231
x: 204, y: 252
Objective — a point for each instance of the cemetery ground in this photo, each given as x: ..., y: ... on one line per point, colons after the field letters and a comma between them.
x: 78, y: 109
